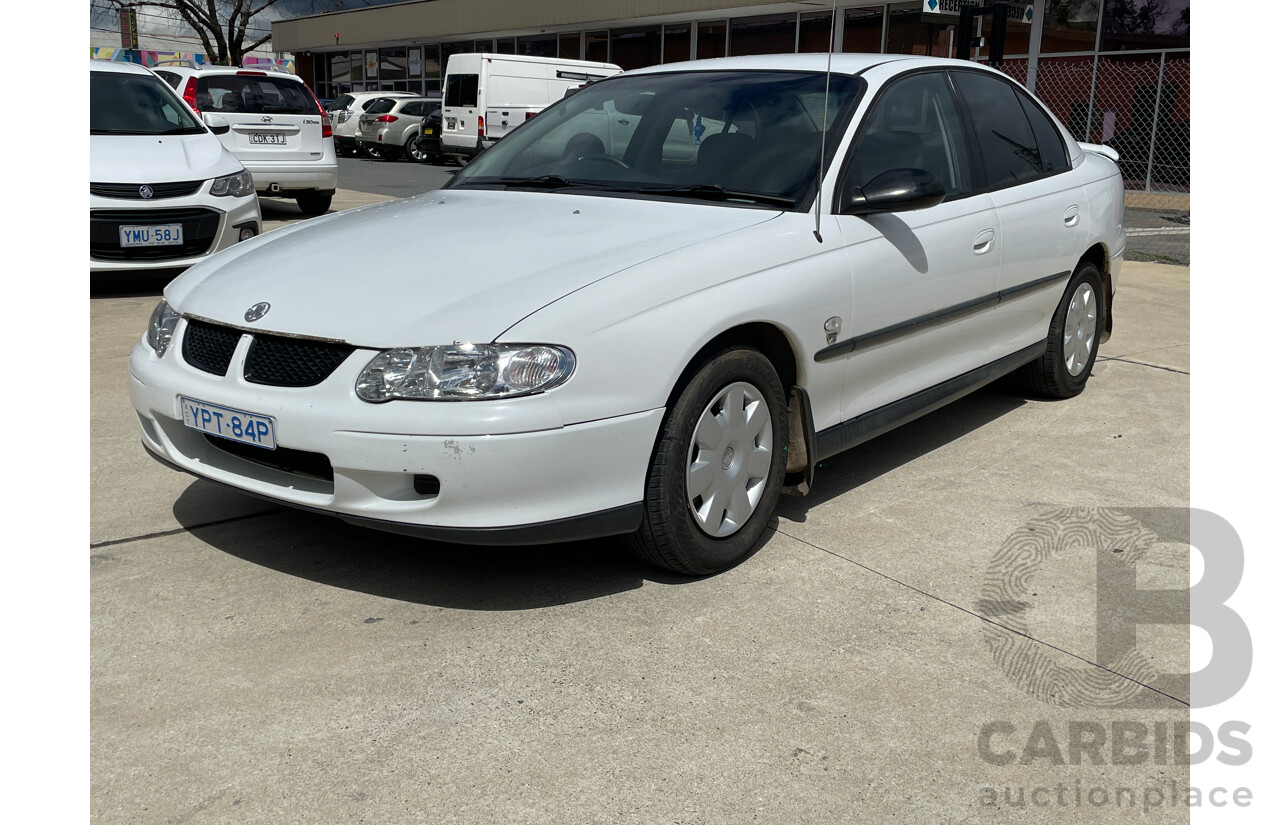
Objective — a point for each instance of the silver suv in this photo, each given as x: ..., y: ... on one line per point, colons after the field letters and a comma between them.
x: 278, y: 130
x: 346, y: 111
x: 390, y: 127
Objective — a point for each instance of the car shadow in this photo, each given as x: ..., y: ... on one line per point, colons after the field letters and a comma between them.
x: 327, y: 550
x: 853, y: 468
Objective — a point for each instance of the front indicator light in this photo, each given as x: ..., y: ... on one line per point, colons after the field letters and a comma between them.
x: 464, y: 372
x: 160, y: 330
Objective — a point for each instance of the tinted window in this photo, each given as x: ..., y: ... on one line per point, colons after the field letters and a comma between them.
x: 914, y: 124
x: 461, y: 89
x: 1008, y: 146
x: 169, y: 77
x: 1053, y: 154
x: 413, y: 109
x: 380, y: 106
x: 129, y: 104
x: 254, y: 94
x: 343, y: 102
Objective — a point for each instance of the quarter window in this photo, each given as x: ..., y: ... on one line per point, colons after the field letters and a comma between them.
x: 914, y: 124
x: 1008, y: 143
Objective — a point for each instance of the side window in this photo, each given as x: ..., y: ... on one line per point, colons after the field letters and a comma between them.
x: 1053, y: 154
x: 169, y: 77
x: 1009, y: 147
x: 913, y: 125
x: 411, y: 110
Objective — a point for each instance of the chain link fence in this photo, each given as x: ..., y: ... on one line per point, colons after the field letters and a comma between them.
x: 1139, y: 105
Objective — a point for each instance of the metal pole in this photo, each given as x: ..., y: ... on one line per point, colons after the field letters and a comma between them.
x: 1033, y: 47
x: 1155, y: 119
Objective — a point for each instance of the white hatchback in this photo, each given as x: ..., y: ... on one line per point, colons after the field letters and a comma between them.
x: 279, y: 130
x: 650, y: 331
x: 163, y: 192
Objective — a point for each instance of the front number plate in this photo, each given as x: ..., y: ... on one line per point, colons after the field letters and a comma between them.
x: 225, y: 422
x: 164, y: 234
x: 258, y: 137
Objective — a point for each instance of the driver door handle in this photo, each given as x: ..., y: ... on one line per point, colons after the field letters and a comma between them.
x: 985, y: 241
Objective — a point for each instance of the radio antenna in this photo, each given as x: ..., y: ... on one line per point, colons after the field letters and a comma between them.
x: 826, y: 103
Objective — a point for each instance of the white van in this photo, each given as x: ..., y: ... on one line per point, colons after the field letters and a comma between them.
x: 488, y: 95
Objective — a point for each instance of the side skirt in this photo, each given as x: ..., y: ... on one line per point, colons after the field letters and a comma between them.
x: 870, y: 424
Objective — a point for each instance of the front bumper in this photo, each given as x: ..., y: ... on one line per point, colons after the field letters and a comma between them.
x: 504, y: 472
x: 106, y: 215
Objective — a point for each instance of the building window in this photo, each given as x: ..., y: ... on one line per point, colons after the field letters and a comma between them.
x: 1146, y: 24
x: 675, y: 43
x: 542, y: 45
x: 1069, y: 26
x: 768, y: 34
x: 570, y: 46
x: 911, y: 33
x: 506, y: 45
x: 394, y: 65
x: 815, y: 32
x: 598, y: 46
x: 864, y: 30
x: 447, y: 49
x: 638, y: 47
x: 711, y: 35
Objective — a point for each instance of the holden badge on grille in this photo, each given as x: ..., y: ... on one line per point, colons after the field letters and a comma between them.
x: 256, y: 311
x: 145, y: 192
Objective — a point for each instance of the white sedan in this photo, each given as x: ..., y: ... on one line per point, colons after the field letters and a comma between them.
x: 650, y: 309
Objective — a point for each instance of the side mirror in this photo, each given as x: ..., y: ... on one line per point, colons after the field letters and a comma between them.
x: 217, y: 124
x: 896, y: 190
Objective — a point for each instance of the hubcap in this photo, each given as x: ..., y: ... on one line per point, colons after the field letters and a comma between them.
x: 1079, y: 329
x: 729, y: 458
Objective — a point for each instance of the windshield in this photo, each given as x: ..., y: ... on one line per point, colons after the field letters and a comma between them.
x: 738, y: 137
x: 136, y: 104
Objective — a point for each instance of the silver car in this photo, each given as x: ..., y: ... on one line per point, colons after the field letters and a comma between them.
x: 389, y: 127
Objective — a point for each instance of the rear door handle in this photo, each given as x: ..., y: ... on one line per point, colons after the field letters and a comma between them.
x: 1072, y: 216
x: 984, y: 242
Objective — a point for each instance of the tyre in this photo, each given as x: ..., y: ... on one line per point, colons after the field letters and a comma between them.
x: 414, y: 152
x: 716, y: 471
x: 1074, y: 333
x: 374, y: 151
x: 314, y: 204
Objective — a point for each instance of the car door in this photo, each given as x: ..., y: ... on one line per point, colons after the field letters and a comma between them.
x: 923, y: 280
x: 1042, y: 207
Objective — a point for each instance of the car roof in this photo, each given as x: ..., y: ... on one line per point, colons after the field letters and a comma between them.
x: 117, y: 66
x: 808, y: 62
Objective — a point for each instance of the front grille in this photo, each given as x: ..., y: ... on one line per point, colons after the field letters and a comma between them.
x: 130, y: 191
x: 298, y: 462
x: 208, y: 347
x: 292, y: 362
x: 199, y: 229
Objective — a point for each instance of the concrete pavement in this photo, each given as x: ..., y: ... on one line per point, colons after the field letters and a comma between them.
x: 255, y: 664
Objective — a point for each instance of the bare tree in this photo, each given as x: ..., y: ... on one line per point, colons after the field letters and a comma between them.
x: 222, y: 25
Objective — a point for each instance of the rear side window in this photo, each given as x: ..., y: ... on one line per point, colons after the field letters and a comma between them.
x: 412, y: 109
x: 1006, y: 140
x: 380, y: 106
x: 172, y: 78
x: 462, y: 90
x: 343, y: 102
x: 254, y: 94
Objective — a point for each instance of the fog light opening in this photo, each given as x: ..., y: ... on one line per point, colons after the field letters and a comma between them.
x: 426, y: 486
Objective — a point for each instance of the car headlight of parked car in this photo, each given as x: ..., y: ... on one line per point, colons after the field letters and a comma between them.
x: 160, y: 331
x: 464, y: 372
x: 238, y: 185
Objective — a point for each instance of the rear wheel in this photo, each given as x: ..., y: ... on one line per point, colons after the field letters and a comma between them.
x: 717, y: 469
x: 1063, y: 370
x: 414, y: 152
x: 374, y: 151
x: 314, y: 204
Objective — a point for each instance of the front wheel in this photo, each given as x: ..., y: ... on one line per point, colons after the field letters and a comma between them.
x: 1064, y: 368
x: 717, y: 469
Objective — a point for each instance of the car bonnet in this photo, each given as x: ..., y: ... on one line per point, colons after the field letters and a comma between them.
x: 445, y: 266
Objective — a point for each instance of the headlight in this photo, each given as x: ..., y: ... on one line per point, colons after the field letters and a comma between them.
x: 464, y: 372
x: 236, y: 186
x: 160, y: 331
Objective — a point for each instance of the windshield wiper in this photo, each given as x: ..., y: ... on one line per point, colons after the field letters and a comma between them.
x: 713, y: 192
x: 540, y: 182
